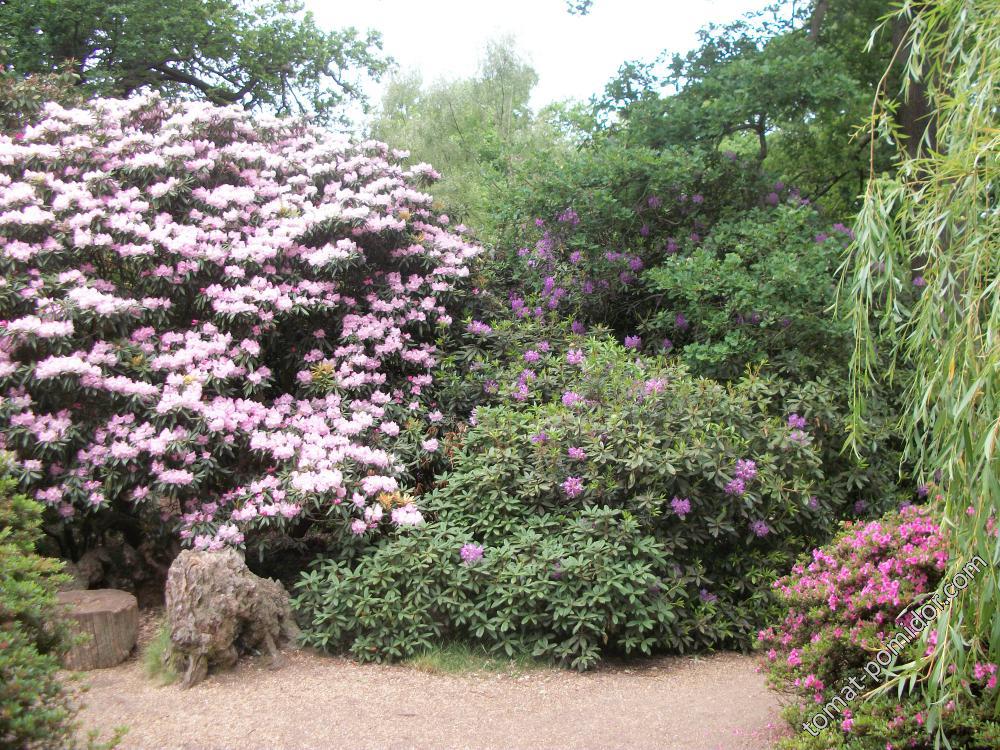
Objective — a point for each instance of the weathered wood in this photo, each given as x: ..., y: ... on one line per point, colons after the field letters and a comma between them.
x: 110, y: 620
x: 217, y: 609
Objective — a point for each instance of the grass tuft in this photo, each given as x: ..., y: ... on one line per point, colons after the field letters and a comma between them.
x: 463, y: 658
x: 156, y: 657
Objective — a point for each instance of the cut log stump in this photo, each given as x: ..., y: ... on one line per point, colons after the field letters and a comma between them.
x: 110, y: 620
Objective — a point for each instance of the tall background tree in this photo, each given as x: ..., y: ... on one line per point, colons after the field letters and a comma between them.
x: 262, y: 54
x: 474, y: 130
x: 787, y: 86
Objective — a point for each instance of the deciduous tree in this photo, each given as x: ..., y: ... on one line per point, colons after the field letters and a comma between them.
x: 265, y: 53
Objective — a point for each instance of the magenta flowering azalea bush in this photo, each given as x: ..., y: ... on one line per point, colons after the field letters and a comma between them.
x: 842, y: 605
x: 218, y: 321
x: 844, y: 600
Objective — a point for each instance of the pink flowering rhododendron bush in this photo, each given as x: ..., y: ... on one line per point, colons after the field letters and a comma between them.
x: 843, y: 605
x: 224, y: 321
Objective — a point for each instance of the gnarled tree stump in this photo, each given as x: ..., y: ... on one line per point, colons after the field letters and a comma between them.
x: 217, y: 609
x: 110, y: 620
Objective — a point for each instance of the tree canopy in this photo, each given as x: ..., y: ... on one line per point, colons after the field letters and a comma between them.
x: 473, y: 130
x: 787, y: 85
x: 262, y: 54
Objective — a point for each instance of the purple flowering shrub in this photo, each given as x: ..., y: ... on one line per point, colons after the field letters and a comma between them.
x: 563, y: 587
x: 757, y: 293
x: 666, y: 502
x: 530, y: 362
x: 598, y: 220
x: 636, y: 434
x: 841, y: 605
x: 758, y: 289
x: 695, y: 257
x: 217, y: 321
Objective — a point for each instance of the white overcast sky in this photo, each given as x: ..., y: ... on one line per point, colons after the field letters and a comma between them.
x: 574, y: 56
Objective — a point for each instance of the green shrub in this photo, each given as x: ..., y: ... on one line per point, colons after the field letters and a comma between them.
x: 490, y: 370
x: 563, y: 588
x: 622, y: 505
x: 757, y: 289
x: 693, y: 256
x: 36, y: 710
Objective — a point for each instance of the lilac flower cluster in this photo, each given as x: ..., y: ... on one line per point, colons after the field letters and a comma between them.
x: 478, y: 328
x: 573, y: 486
x: 798, y: 434
x: 681, y: 506
x: 521, y: 389
x: 471, y: 553
x: 570, y: 398
x: 745, y: 471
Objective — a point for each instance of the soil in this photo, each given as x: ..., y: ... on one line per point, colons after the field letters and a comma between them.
x: 717, y: 702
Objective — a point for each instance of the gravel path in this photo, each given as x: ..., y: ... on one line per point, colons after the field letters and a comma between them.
x: 718, y: 702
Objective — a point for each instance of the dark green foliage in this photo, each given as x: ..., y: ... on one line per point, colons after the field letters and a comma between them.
x: 567, y: 588
x: 609, y: 186
x: 36, y: 712
x: 709, y: 264
x: 623, y: 565
x: 738, y: 82
x: 649, y: 431
x: 586, y: 223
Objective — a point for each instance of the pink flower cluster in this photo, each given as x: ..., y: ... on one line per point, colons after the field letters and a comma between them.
x: 843, y: 603
x: 234, y: 314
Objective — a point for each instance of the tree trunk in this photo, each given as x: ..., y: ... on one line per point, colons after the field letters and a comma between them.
x: 817, y: 18
x: 915, y: 115
x: 110, y: 620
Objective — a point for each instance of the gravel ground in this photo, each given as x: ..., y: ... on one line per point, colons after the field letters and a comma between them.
x: 718, y: 702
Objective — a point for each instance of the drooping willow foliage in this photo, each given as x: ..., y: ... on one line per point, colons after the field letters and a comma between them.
x: 921, y: 285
